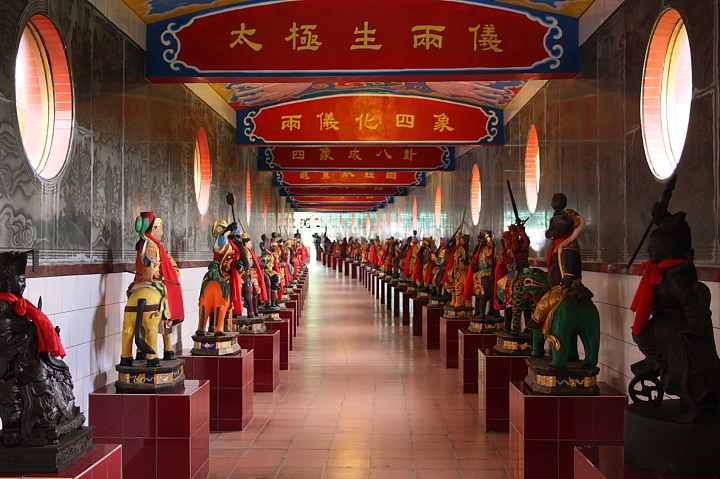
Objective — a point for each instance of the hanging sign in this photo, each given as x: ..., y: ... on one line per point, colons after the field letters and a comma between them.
x: 374, y: 119
x: 348, y: 178
x: 343, y: 191
x: 341, y: 199
x: 367, y: 40
x: 353, y: 158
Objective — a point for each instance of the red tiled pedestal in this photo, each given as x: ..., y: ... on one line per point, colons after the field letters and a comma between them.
x: 608, y: 462
x: 417, y: 309
x: 285, y: 335
x: 289, y: 314
x: 334, y: 262
x: 430, y: 327
x: 105, y: 462
x: 346, y: 267
x: 494, y: 373
x: 382, y: 286
x: 449, y: 345
x: 231, y: 386
x: 297, y: 296
x: 396, y: 300
x: 544, y: 430
x: 468, y: 345
x: 406, y: 297
x: 267, y: 358
x: 164, y: 436
x: 293, y: 305
x: 353, y: 270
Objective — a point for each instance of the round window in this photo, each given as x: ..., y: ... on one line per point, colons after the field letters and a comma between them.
x: 415, y: 213
x: 666, y: 95
x: 438, y: 207
x: 43, y: 97
x: 532, y: 170
x: 367, y: 225
x: 353, y: 223
x: 399, y: 216
x: 475, y: 195
x: 248, y: 195
x: 201, y: 171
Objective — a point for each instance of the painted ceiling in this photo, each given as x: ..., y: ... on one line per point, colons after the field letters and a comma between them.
x: 245, y: 95
x: 154, y: 10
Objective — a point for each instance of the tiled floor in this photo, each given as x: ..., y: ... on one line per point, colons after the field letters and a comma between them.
x: 362, y: 399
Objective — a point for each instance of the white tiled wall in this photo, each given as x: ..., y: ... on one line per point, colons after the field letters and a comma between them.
x: 613, y: 295
x: 89, y: 311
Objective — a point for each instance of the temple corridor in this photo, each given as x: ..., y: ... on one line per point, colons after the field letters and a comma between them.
x: 362, y: 399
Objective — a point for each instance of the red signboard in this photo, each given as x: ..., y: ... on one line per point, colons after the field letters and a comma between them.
x: 363, y: 39
x: 357, y: 158
x: 343, y: 191
x: 341, y: 199
x: 376, y: 119
x: 348, y: 178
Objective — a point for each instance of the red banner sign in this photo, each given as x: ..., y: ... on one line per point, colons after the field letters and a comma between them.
x: 363, y: 39
x: 353, y: 158
x: 375, y: 119
x: 348, y: 178
x: 343, y: 191
x: 340, y: 199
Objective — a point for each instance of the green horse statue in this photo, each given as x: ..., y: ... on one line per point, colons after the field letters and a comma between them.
x: 571, y: 319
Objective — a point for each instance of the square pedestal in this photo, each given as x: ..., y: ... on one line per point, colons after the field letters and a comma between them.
x: 293, y: 304
x: 267, y: 358
x: 297, y: 296
x: 544, y: 430
x: 494, y: 373
x: 231, y: 386
x: 468, y: 345
x: 105, y: 462
x: 289, y: 314
x: 449, y: 344
x: 388, y: 295
x: 285, y: 335
x: 608, y: 462
x: 353, y: 271
x: 396, y: 301
x: 406, y: 297
x: 164, y: 436
x: 346, y: 267
x: 417, y: 320
x: 430, y: 326
x: 382, y: 285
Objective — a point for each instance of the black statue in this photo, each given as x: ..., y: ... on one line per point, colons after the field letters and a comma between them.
x: 673, y: 328
x: 38, y: 404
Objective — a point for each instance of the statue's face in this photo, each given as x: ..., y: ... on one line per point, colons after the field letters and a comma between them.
x: 17, y: 285
x: 656, y: 250
x: 157, y: 232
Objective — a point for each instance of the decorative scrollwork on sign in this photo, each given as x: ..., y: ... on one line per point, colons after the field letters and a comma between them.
x: 269, y: 157
x: 554, y: 50
x: 419, y: 179
x: 491, y: 125
x: 249, y: 122
x: 446, y: 158
x: 169, y: 39
x: 280, y: 178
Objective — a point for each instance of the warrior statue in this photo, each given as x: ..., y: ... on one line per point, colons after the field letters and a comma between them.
x: 481, y: 276
x: 456, y: 273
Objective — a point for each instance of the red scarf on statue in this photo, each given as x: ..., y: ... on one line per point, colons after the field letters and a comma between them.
x: 555, y: 244
x: 48, y: 339
x: 643, y: 301
x: 174, y: 292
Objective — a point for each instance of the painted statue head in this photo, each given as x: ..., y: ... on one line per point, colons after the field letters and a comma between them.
x: 12, y: 272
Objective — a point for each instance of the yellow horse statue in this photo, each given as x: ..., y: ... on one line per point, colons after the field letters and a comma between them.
x: 143, y: 321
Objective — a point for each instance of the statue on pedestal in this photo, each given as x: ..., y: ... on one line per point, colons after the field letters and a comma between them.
x: 565, y: 311
x: 455, y: 277
x: 480, y: 282
x: 155, y: 304
x: 42, y: 428
x: 438, y: 269
x: 154, y: 297
x: 674, y: 331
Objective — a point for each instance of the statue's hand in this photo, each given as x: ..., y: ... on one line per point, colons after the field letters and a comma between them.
x: 239, y: 265
x: 148, y: 275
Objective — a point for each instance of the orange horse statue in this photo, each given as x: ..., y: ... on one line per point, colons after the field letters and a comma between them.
x: 214, y: 301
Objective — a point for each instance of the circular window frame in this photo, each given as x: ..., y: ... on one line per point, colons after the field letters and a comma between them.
x: 248, y: 195
x: 475, y: 195
x: 438, y: 207
x: 415, y: 213
x: 202, y: 171
x: 532, y: 170
x: 48, y: 121
x: 660, y: 74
